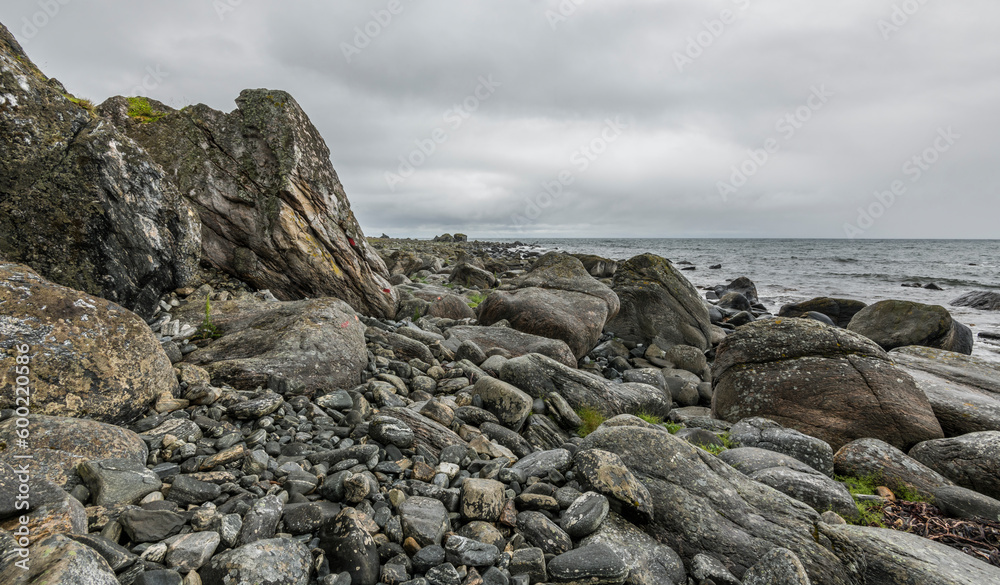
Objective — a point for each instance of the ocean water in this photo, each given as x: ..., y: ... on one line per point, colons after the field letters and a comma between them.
x: 788, y: 271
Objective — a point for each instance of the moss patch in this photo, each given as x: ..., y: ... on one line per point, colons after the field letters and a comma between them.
x: 591, y: 418
x: 140, y: 109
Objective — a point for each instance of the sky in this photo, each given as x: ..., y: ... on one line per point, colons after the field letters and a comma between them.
x: 586, y: 118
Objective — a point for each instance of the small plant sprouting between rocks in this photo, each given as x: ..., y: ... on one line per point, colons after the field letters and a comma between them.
x: 140, y: 109
x: 672, y: 427
x: 83, y: 103
x: 727, y: 443
x: 475, y: 299
x: 591, y: 417
x: 208, y: 330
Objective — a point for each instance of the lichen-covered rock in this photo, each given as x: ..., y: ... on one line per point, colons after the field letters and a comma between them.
x: 893, y: 324
x: 971, y: 461
x: 80, y: 202
x: 58, y: 445
x: 657, y: 301
x: 892, y: 557
x: 315, y: 344
x: 277, y: 561
x: 706, y: 506
x: 274, y: 212
x: 88, y: 356
x: 826, y: 382
x: 58, y: 560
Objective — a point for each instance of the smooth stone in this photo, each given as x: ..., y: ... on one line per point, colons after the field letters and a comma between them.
x: 584, y: 516
x: 596, y: 564
x: 276, y: 561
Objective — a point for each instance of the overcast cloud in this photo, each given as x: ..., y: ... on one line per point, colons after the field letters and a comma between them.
x: 642, y: 108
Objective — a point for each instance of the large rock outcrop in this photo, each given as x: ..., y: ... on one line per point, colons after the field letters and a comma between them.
x: 273, y: 211
x: 893, y: 324
x: 823, y: 381
x: 88, y: 357
x: 658, y: 302
x: 706, y: 506
x: 311, y: 345
x: 558, y: 299
x: 964, y: 391
x: 80, y: 202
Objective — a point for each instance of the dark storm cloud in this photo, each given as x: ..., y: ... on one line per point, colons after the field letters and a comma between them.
x: 643, y: 118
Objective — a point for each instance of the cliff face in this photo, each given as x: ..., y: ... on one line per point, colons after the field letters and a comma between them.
x: 273, y: 210
x: 124, y: 200
x: 80, y: 202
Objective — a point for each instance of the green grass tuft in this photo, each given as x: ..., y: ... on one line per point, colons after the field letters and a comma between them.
x: 672, y: 427
x: 476, y: 299
x: 591, y: 420
x: 85, y: 104
x: 650, y: 418
x: 140, y: 109
x: 208, y: 330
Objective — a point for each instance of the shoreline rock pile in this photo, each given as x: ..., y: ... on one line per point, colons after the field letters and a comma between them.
x: 280, y: 401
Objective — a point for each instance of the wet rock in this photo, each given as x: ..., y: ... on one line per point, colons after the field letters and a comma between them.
x: 649, y: 562
x: 260, y: 522
x: 391, y: 431
x: 982, y: 300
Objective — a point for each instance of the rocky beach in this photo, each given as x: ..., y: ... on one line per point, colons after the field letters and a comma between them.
x: 210, y: 375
